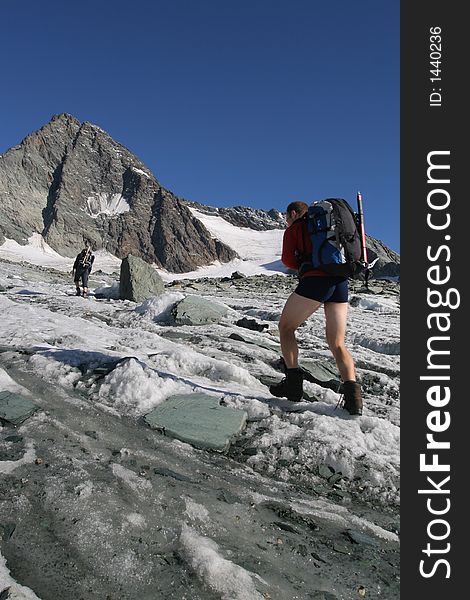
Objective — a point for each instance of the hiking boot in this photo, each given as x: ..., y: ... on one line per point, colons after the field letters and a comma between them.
x: 78, y: 292
x: 352, y: 397
x: 291, y: 387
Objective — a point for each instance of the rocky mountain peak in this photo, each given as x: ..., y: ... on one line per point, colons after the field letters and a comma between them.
x: 64, y: 118
x: 71, y: 182
x: 61, y: 129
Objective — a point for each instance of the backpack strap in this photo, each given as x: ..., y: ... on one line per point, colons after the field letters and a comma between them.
x: 304, y: 258
x: 305, y: 262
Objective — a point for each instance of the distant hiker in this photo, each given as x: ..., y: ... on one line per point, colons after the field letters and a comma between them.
x: 314, y: 289
x: 82, y: 269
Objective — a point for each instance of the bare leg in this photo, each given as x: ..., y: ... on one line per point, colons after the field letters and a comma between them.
x: 336, y: 314
x: 296, y: 310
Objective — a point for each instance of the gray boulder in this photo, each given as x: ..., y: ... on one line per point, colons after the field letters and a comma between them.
x: 195, y: 310
x: 139, y: 281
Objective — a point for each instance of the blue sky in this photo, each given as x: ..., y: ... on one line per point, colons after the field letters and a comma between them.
x: 253, y: 102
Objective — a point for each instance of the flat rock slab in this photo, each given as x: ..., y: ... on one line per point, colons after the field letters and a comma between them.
x: 199, y: 420
x: 195, y: 310
x: 15, y: 409
x: 266, y: 345
x: 321, y: 373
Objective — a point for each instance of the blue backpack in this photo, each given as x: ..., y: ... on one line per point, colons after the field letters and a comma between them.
x: 334, y: 231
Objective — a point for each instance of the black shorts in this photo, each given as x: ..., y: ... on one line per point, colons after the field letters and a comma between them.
x: 323, y: 289
x: 83, y: 275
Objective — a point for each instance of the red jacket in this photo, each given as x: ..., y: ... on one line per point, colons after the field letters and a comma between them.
x: 297, y: 248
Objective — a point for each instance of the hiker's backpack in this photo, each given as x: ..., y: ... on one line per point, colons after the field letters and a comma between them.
x: 85, y: 260
x: 336, y: 239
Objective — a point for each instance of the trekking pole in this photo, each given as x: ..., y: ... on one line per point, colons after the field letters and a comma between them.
x: 360, y: 221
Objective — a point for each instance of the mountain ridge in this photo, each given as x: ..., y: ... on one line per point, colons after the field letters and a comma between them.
x: 73, y: 183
